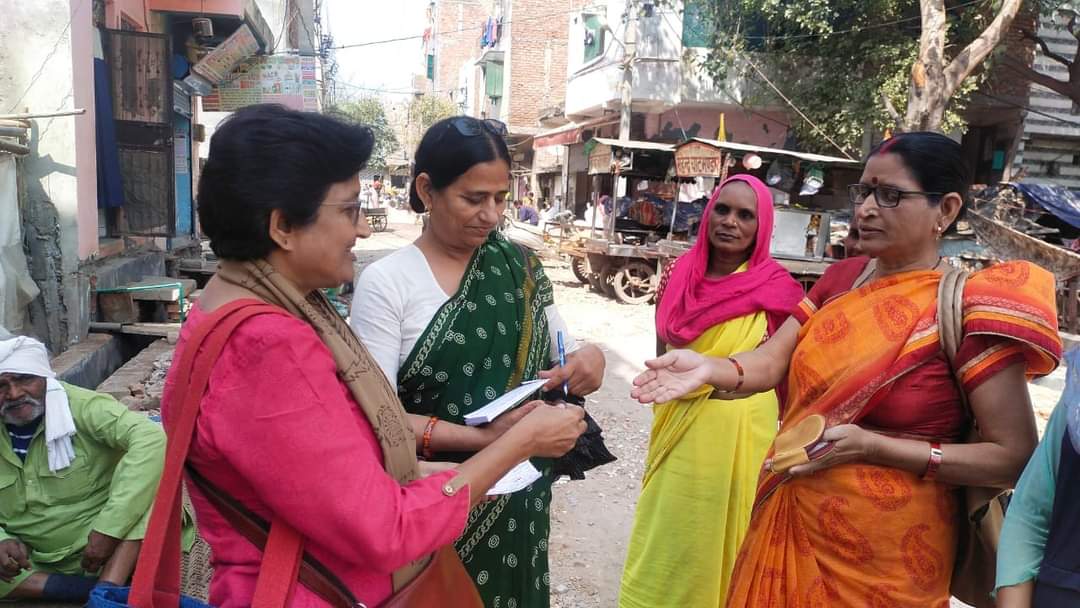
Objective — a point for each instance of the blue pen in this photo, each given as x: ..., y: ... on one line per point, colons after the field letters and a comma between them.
x: 562, y: 361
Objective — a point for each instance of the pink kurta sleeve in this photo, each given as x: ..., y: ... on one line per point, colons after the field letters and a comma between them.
x: 279, y: 416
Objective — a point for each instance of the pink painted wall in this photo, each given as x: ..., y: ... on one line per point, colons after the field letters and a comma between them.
x: 741, y: 126
x: 135, y: 10
x: 82, y: 60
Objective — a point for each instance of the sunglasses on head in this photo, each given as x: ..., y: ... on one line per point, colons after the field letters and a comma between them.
x: 468, y: 126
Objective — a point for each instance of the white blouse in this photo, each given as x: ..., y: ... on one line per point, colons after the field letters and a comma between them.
x: 395, y: 300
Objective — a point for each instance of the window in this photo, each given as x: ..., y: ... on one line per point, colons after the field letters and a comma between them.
x: 493, y: 79
x: 594, y: 38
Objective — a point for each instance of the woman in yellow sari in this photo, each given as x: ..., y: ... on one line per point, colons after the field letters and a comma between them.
x: 724, y: 296
x: 868, y: 516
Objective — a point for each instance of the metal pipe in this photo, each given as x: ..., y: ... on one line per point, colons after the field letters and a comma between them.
x: 14, y: 148
x: 75, y: 112
x: 6, y: 131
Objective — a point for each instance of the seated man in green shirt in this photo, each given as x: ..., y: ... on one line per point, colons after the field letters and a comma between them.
x: 78, y: 473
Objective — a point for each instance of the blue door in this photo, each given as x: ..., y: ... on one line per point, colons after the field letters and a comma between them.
x: 182, y: 162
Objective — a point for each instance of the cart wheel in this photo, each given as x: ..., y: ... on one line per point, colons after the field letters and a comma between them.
x: 635, y: 283
x: 379, y: 223
x: 580, y: 267
x: 607, y: 281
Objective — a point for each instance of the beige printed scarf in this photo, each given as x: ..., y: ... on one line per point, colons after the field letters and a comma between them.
x: 356, y: 367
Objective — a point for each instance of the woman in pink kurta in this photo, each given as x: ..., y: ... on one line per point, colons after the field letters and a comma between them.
x: 282, y: 427
x: 310, y: 457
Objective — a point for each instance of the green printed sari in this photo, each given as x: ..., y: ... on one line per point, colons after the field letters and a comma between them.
x: 487, y: 339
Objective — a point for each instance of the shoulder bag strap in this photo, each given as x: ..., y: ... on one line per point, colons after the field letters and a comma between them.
x: 951, y: 320
x: 312, y: 573
x: 156, y: 583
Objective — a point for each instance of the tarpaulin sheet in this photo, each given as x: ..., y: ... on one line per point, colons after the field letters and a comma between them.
x: 16, y: 286
x: 1058, y: 200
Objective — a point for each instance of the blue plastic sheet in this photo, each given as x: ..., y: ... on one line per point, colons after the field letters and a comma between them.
x: 1061, y: 202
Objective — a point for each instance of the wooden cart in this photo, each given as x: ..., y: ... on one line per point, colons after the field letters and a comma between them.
x: 611, y: 259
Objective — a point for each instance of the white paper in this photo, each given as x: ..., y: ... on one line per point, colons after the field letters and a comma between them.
x: 503, y: 404
x: 519, y: 478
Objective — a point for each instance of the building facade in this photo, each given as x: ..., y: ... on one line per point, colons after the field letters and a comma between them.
x: 106, y: 176
x: 671, y: 97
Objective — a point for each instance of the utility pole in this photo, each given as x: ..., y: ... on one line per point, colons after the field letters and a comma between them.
x: 629, y: 55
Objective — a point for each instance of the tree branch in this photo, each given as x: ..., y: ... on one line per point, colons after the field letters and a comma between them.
x: 891, y: 109
x: 1028, y: 34
x: 1028, y: 73
x: 975, y: 53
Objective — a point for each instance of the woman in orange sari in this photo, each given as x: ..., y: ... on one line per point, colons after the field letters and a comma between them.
x: 870, y: 518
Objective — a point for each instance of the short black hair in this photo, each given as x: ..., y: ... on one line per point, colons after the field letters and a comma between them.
x: 265, y: 157
x: 445, y: 154
x: 936, y: 161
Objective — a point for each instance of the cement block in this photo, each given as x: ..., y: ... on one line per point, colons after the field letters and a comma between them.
x: 92, y: 360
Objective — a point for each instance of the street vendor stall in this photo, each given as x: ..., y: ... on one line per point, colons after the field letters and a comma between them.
x: 808, y: 189
x: 622, y: 253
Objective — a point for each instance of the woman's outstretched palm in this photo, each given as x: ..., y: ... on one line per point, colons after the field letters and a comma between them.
x: 671, y: 376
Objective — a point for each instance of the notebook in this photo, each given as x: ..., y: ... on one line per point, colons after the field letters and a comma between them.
x: 503, y: 404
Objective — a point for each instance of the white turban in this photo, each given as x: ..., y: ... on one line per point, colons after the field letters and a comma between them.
x: 23, y: 355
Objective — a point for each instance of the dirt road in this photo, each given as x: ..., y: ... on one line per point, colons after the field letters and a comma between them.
x: 591, y: 519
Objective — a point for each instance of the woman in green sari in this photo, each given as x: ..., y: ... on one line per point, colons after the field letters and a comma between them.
x: 460, y: 317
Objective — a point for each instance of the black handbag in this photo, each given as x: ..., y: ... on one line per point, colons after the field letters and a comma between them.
x: 589, y: 452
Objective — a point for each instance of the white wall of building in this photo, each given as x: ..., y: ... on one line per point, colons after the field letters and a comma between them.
x: 666, y: 73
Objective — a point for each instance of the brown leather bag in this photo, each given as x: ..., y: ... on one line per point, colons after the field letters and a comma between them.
x: 982, y: 508
x: 443, y: 582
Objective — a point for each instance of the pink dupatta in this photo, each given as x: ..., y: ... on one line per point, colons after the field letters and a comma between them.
x: 693, y: 303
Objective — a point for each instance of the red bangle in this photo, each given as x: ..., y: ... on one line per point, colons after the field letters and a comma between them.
x: 742, y: 375
x: 934, y: 463
x: 425, y: 448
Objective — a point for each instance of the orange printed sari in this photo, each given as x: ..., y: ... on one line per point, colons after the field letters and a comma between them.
x: 866, y: 535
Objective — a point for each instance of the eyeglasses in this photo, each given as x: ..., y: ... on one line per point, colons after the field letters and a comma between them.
x: 354, y: 209
x: 886, y: 196
x: 471, y: 127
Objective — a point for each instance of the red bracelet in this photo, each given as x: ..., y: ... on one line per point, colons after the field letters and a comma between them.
x: 742, y: 375
x: 934, y: 463
x: 425, y: 448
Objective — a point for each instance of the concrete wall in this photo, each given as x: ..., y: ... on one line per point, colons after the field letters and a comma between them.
x: 761, y: 129
x: 666, y: 74
x: 48, y: 67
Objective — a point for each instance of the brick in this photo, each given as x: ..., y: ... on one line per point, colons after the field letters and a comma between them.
x: 537, y: 32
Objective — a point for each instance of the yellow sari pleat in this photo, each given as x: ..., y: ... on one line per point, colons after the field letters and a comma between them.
x: 698, y: 488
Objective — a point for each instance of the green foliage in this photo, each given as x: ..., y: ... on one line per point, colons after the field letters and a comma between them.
x: 370, y: 111
x: 837, y: 60
x: 427, y: 110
